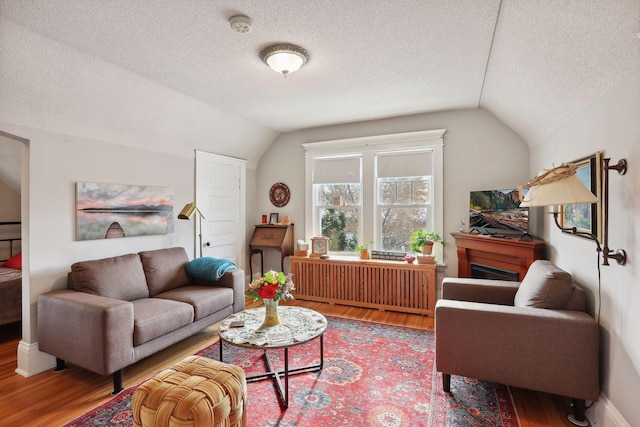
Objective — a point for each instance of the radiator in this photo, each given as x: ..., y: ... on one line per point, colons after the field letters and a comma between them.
x: 385, y: 285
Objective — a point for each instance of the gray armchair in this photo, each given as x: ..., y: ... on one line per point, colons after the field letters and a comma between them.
x: 534, y: 335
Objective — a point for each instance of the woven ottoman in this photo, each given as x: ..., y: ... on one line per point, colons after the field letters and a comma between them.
x: 195, y: 392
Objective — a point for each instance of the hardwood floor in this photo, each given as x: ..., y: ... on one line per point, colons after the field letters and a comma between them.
x: 51, y: 399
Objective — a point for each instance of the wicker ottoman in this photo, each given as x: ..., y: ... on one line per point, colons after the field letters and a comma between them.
x: 197, y: 392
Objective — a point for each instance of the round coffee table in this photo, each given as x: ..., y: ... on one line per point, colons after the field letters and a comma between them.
x: 297, y: 326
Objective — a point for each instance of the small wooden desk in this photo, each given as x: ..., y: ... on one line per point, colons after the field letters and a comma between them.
x: 271, y: 236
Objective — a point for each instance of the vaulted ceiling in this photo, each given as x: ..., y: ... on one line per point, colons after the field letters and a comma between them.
x: 533, y: 64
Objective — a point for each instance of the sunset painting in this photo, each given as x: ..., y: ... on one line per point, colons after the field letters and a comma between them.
x: 106, y: 211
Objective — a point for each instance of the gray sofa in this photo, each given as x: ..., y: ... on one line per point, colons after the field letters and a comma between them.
x: 117, y: 311
x: 534, y: 335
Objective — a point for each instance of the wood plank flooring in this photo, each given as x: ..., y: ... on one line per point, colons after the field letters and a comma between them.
x: 52, y: 399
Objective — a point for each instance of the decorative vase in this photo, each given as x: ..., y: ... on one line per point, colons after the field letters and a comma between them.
x: 271, y: 313
x: 364, y: 254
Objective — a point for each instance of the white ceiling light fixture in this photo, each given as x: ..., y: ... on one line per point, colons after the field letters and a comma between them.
x: 284, y: 58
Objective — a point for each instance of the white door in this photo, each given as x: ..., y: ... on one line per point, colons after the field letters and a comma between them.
x: 220, y: 196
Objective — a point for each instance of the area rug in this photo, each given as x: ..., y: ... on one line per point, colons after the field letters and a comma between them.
x: 374, y: 375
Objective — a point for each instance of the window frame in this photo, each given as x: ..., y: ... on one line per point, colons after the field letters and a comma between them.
x: 367, y: 147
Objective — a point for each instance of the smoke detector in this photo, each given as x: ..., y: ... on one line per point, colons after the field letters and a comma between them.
x: 241, y: 24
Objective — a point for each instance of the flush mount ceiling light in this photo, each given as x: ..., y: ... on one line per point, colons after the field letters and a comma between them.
x: 284, y: 58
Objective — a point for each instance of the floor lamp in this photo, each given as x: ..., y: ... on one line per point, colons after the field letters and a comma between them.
x: 187, y: 212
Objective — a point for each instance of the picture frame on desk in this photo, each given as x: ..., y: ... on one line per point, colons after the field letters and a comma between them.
x: 273, y: 218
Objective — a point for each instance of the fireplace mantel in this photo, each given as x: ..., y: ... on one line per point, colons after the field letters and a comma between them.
x: 506, y: 253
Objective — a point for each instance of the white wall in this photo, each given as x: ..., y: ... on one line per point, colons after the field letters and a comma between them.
x: 10, y: 160
x: 480, y: 153
x: 610, y: 125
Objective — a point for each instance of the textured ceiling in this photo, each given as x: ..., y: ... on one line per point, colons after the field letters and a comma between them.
x: 534, y: 64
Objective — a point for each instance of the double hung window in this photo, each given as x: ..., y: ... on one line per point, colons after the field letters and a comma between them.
x: 379, y: 189
x: 337, y: 190
x: 403, y: 202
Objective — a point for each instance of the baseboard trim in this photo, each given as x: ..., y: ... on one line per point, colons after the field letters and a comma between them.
x: 32, y: 361
x: 604, y: 414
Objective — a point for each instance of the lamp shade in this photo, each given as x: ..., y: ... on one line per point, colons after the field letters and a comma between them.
x: 284, y: 58
x: 568, y: 190
x: 187, y: 211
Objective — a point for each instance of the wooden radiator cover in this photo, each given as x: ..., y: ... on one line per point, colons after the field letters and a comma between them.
x: 385, y: 285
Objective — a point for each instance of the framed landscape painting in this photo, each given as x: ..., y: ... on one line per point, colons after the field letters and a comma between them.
x: 586, y: 217
x: 105, y: 211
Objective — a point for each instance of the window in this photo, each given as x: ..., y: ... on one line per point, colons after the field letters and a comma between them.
x: 337, y: 193
x: 403, y: 205
x: 380, y: 188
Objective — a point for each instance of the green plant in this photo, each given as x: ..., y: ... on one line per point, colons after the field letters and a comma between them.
x: 420, y: 238
x: 358, y: 248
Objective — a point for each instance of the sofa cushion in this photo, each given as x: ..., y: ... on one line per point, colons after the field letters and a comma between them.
x: 544, y: 286
x: 155, y: 317
x: 205, y: 300
x: 165, y: 269
x: 119, y: 277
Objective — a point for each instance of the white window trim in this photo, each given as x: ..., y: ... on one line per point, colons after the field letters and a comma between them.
x: 432, y: 139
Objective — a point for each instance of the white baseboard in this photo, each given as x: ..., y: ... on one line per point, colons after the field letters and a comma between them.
x: 604, y: 414
x: 32, y: 361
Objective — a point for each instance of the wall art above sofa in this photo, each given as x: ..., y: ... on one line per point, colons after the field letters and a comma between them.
x: 106, y: 211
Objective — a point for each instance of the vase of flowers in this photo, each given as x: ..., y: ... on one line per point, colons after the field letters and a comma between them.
x: 271, y: 288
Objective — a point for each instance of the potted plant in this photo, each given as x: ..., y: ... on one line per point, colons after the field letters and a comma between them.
x: 422, y: 241
x: 363, y: 250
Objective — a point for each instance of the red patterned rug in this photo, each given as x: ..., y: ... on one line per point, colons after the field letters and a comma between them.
x: 373, y: 375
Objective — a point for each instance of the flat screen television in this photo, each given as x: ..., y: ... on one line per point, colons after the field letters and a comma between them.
x: 497, y: 212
